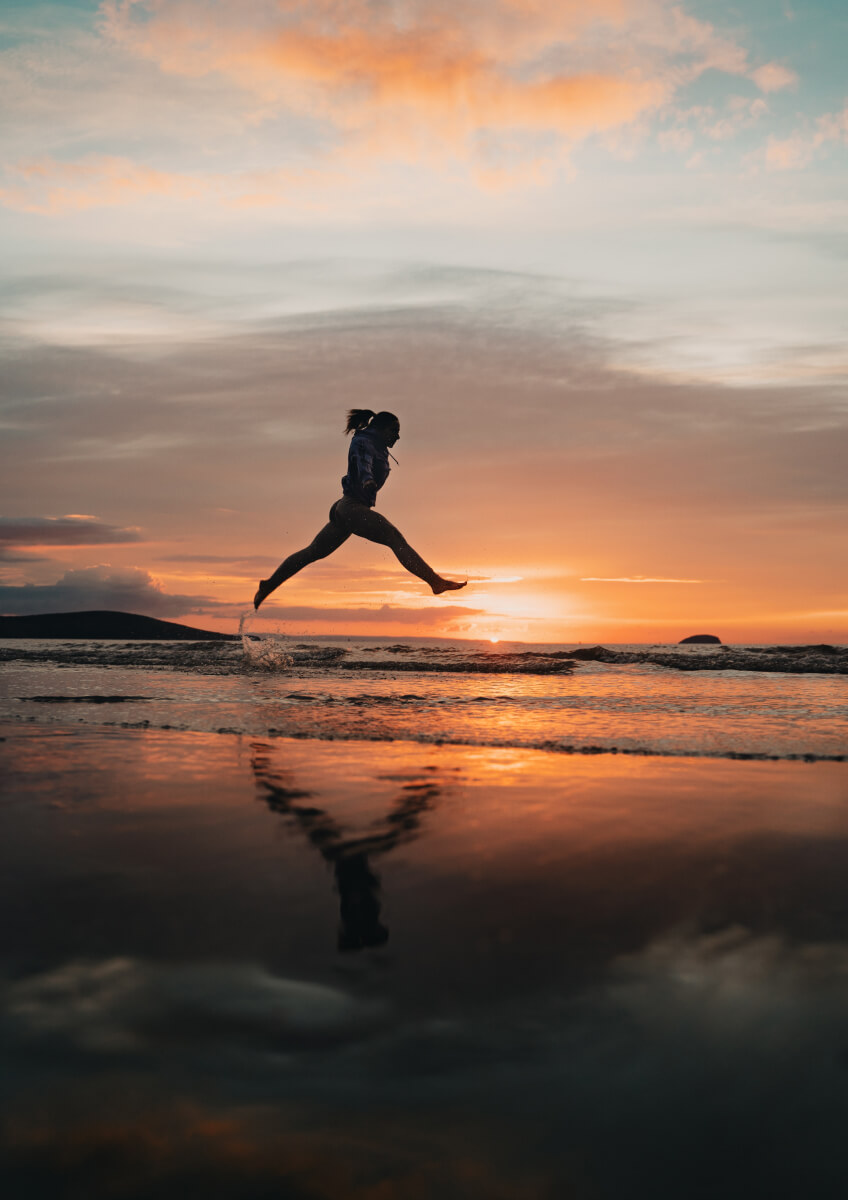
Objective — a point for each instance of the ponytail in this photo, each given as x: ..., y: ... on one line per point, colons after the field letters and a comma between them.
x: 358, y: 418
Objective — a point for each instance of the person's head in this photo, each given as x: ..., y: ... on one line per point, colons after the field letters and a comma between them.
x: 385, y: 424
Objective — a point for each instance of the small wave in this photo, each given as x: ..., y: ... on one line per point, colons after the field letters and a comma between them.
x: 270, y: 649
x: 98, y: 699
x: 494, y: 665
x: 790, y: 660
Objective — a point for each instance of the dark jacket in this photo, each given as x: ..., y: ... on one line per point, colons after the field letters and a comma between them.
x: 367, y: 467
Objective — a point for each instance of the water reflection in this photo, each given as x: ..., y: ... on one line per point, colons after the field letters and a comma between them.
x: 596, y: 953
x: 349, y: 854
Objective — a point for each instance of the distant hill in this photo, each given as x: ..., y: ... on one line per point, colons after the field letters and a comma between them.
x: 105, y: 625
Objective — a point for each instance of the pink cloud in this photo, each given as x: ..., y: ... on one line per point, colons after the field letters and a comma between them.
x: 800, y: 148
x: 443, y: 70
x: 504, y: 89
x: 51, y: 187
x: 48, y: 186
x: 773, y: 77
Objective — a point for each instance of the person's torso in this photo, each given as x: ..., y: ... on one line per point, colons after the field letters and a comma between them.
x: 367, y: 467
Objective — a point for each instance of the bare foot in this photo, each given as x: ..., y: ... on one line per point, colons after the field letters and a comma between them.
x: 447, y: 585
x: 260, y: 593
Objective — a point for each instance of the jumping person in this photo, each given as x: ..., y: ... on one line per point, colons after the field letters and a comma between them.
x: 367, y: 470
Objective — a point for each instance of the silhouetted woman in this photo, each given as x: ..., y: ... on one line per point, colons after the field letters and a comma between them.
x: 367, y: 470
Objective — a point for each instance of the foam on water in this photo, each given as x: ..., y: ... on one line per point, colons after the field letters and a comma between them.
x: 264, y: 648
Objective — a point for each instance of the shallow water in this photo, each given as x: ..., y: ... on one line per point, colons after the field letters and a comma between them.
x: 249, y: 967
x: 431, y: 692
x: 251, y: 951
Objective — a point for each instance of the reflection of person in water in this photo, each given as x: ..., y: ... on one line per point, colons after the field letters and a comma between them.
x: 359, y: 905
x: 357, y: 884
x: 367, y: 470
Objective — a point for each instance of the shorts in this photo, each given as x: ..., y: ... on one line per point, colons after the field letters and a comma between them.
x: 336, y: 517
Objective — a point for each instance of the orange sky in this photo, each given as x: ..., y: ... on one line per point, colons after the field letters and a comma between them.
x: 588, y: 254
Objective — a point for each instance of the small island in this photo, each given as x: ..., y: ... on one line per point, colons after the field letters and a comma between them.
x: 700, y: 639
x: 105, y: 625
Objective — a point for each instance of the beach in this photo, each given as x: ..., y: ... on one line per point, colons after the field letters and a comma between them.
x: 469, y: 921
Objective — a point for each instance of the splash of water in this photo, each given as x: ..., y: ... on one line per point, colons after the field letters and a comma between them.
x: 263, y: 649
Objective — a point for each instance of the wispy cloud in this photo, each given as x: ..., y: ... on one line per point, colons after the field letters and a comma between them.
x: 72, y: 530
x: 386, y: 614
x: 636, y: 579
x: 51, y: 186
x: 801, y: 147
x: 249, y: 560
x: 558, y: 467
x: 774, y: 77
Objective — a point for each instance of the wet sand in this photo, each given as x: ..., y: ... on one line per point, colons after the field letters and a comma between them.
x: 239, y: 967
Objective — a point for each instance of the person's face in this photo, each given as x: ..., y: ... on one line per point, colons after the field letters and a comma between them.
x: 391, y: 434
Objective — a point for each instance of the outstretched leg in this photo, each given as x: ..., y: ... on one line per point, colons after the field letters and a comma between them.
x: 324, y: 543
x: 372, y: 525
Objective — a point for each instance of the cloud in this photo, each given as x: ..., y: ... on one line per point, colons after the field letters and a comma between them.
x: 635, y: 579
x: 789, y: 154
x: 19, y: 556
x: 19, y: 535
x: 386, y: 613
x: 571, y: 67
x: 126, y: 589
x: 50, y: 186
x: 305, y: 93
x: 122, y: 1005
x: 477, y: 344
x: 516, y: 367
x: 739, y: 113
x: 362, y: 66
x: 675, y: 139
x: 230, y: 560
x: 800, y: 148
x: 72, y: 530
x: 773, y: 77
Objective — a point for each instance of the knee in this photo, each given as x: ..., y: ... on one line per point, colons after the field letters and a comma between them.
x: 396, y: 541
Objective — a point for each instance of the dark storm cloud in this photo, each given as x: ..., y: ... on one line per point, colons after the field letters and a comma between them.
x: 123, y: 589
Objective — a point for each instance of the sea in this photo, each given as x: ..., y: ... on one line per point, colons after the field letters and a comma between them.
x: 680, y: 700
x: 358, y: 918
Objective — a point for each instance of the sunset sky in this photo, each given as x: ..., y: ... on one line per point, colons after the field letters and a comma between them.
x: 592, y: 252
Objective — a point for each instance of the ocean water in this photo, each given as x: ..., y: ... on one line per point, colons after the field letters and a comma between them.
x: 360, y: 919
x: 438, y: 690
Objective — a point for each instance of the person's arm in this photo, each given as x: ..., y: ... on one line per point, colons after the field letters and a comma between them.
x: 363, y: 455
